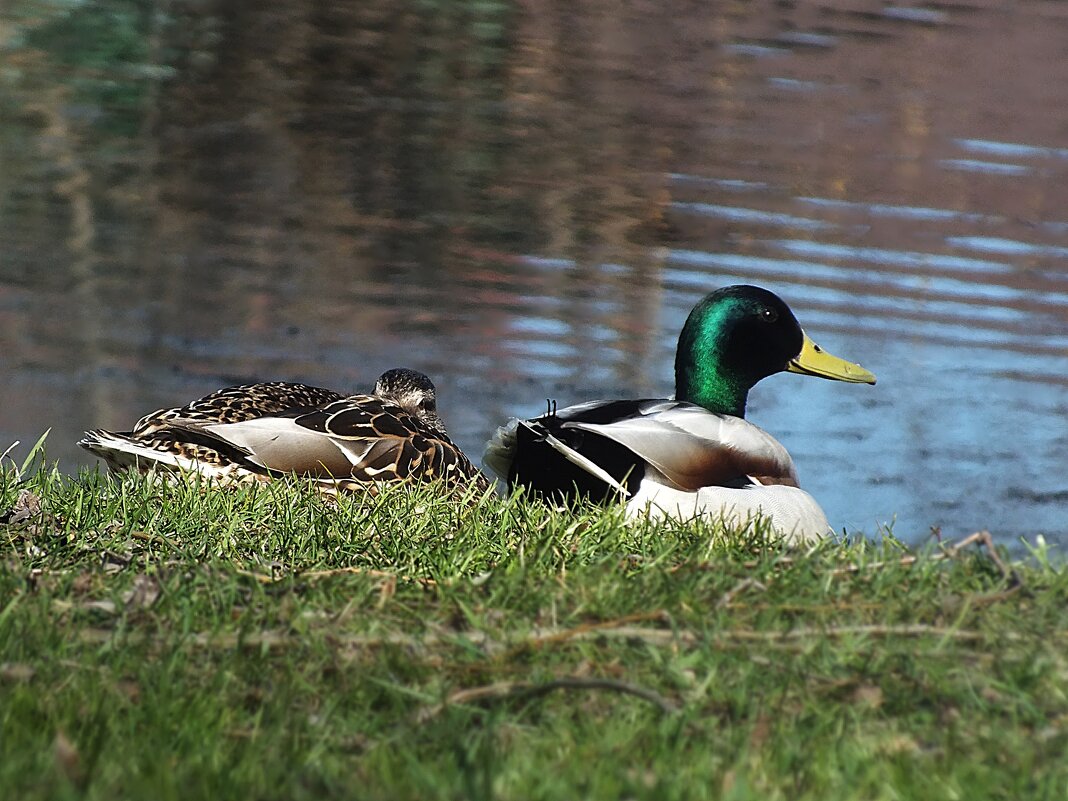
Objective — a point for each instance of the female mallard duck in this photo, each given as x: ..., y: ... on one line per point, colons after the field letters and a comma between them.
x: 261, y: 431
x: 695, y: 455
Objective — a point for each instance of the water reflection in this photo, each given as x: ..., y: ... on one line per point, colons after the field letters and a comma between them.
x: 525, y: 200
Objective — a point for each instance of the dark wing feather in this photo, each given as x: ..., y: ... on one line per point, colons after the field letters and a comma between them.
x: 540, y: 466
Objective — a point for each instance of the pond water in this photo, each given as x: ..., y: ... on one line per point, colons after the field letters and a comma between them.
x: 525, y: 199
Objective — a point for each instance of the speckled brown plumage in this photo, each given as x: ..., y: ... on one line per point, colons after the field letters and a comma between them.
x: 257, y: 432
x: 242, y: 402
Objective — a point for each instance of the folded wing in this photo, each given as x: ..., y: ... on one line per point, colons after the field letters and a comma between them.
x: 691, y: 446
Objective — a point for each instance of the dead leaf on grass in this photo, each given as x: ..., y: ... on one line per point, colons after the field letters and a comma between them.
x: 16, y: 672
x: 868, y: 695
x: 898, y: 744
x: 83, y: 583
x: 991, y: 695
x: 386, y: 591
x: 144, y: 593
x: 760, y: 732
x: 729, y: 780
x: 27, y: 506
x: 130, y: 689
x: 115, y: 562
x: 68, y: 759
x: 103, y: 606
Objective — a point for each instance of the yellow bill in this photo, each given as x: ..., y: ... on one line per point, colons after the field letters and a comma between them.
x: 814, y: 360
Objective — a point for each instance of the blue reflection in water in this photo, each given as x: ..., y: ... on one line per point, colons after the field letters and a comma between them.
x: 992, y: 167
x: 542, y: 349
x: 1010, y: 149
x: 548, y: 262
x: 901, y: 212
x: 993, y: 244
x: 793, y: 269
x: 874, y: 315
x: 719, y: 183
x: 743, y: 215
x: 885, y: 256
x: 928, y: 16
x: 543, y: 326
x: 755, y: 50
x: 794, y: 85
x: 807, y: 39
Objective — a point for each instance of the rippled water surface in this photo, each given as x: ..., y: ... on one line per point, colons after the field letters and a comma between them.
x: 524, y: 200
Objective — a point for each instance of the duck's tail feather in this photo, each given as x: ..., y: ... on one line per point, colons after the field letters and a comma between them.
x: 122, y: 452
x: 499, y: 452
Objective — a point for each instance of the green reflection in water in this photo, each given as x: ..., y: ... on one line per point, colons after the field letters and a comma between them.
x: 101, y: 52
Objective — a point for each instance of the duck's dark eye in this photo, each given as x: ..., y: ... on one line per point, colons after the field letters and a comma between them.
x: 768, y: 315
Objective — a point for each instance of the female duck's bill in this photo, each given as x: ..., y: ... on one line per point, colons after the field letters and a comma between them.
x: 695, y: 455
x: 263, y: 431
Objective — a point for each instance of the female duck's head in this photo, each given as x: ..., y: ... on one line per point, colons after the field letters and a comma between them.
x: 415, y: 393
x: 738, y: 335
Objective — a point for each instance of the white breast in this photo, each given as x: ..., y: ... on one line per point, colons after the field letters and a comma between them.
x: 791, y: 512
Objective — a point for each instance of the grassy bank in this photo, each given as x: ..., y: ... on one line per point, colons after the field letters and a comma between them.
x: 171, y: 642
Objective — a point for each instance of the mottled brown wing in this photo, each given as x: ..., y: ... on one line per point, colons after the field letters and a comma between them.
x: 399, y: 445
x: 359, y: 417
x: 238, y: 403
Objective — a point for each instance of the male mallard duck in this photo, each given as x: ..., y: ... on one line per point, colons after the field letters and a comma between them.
x: 260, y: 431
x: 696, y: 454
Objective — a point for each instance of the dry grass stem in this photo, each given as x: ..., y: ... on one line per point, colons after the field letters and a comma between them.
x: 310, y: 575
x: 272, y: 639
x: 521, y: 689
x: 728, y: 597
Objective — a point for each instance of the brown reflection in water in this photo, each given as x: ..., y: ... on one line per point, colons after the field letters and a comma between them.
x: 318, y: 148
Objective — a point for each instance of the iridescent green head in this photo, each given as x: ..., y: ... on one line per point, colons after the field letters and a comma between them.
x: 738, y: 335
